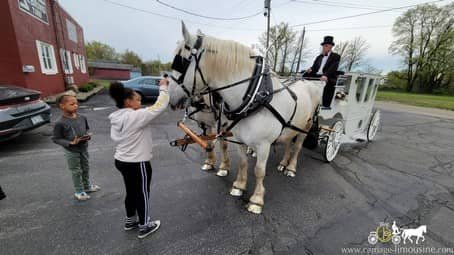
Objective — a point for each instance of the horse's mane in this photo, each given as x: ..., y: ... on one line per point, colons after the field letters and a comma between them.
x: 224, y: 57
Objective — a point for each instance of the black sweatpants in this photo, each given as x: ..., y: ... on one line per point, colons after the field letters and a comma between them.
x: 137, y: 178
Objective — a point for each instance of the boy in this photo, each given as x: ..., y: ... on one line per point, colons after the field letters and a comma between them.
x: 71, y: 132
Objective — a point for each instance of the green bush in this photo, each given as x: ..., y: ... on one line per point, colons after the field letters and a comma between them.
x: 87, y: 87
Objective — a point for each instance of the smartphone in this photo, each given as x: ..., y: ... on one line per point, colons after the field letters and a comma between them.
x: 85, y: 137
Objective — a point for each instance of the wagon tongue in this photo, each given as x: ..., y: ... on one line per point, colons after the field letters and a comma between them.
x: 10, y: 95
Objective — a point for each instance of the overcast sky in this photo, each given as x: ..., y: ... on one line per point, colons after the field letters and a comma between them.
x: 155, y: 37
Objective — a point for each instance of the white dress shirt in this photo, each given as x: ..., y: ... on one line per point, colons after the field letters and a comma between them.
x: 324, y: 59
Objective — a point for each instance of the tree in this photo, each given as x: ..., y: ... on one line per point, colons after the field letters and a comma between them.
x: 352, y: 53
x: 130, y: 57
x: 99, y: 51
x: 341, y: 49
x: 154, y: 67
x: 283, y: 42
x: 425, y: 39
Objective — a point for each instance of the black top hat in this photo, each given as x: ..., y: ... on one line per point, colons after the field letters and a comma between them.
x: 328, y: 40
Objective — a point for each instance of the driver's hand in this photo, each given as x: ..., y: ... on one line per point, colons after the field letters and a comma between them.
x: 324, y: 78
x: 309, y: 70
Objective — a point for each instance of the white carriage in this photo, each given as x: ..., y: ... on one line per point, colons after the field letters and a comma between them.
x: 352, y: 116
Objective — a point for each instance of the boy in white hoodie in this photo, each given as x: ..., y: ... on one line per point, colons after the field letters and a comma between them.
x: 131, y: 131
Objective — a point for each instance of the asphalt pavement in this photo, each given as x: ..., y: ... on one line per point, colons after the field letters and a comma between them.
x: 405, y: 175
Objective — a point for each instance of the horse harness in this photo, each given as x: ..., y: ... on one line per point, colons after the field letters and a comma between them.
x: 258, y: 94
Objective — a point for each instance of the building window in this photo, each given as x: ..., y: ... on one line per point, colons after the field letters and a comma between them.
x: 66, y: 61
x: 83, y: 67
x: 47, y: 59
x: 72, y: 32
x: 36, y: 8
x: 76, y: 60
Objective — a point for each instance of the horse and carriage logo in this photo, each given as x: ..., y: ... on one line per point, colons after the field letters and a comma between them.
x: 396, y: 235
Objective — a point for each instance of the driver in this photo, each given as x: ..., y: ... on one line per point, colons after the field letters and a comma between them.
x: 325, y: 67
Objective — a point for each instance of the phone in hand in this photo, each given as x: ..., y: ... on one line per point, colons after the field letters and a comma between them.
x: 85, y: 137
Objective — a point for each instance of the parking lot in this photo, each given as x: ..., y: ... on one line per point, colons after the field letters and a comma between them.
x: 407, y: 175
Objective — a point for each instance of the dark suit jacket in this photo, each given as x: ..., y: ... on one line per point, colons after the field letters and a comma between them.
x: 330, y: 68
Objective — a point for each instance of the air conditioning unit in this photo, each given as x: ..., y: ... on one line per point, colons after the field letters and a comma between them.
x: 69, y: 80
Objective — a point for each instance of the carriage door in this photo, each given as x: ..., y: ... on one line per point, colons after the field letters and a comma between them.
x: 361, y: 107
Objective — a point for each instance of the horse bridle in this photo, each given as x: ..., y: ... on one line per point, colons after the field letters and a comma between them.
x: 181, y: 65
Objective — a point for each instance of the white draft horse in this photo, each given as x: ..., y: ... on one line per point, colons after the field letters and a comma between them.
x: 418, y: 232
x: 207, y: 119
x: 226, y: 62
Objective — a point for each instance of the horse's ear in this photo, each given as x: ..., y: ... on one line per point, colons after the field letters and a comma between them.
x: 199, y: 33
x: 186, y: 35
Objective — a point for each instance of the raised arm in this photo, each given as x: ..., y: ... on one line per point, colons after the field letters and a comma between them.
x: 146, y: 115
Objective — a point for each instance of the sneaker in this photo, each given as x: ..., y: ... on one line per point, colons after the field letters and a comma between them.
x: 144, y: 231
x: 131, y: 224
x: 81, y: 196
x: 92, y: 188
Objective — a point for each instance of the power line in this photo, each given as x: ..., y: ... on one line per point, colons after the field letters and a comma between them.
x: 336, y: 5
x: 176, y: 18
x: 208, y: 17
x: 365, y: 14
x: 349, y: 28
x: 352, y: 4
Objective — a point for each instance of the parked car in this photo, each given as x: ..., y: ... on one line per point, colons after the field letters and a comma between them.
x: 21, y: 110
x: 146, y: 86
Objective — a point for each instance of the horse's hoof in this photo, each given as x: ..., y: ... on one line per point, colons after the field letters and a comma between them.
x: 281, y: 168
x: 222, y: 172
x: 207, y: 167
x: 236, y: 192
x: 257, y: 209
x: 289, y: 173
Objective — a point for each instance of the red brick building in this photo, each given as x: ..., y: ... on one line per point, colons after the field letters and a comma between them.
x: 42, y: 46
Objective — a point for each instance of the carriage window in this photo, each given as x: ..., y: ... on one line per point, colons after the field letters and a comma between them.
x: 370, y: 90
x: 375, y: 90
x: 360, y: 86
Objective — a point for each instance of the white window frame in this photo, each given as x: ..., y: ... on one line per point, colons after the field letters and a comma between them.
x: 76, y: 61
x: 43, y: 2
x: 71, y: 30
x: 46, y: 56
x: 83, y: 66
x: 66, y: 61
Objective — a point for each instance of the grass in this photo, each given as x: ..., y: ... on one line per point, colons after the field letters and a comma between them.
x: 103, y: 83
x: 425, y: 100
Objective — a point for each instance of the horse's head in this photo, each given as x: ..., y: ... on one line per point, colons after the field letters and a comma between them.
x: 187, y: 56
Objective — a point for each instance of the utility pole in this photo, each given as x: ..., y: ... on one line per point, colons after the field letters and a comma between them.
x: 300, y: 50
x: 267, y: 13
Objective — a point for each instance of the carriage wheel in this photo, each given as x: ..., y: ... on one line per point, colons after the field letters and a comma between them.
x: 373, y: 126
x: 331, y: 143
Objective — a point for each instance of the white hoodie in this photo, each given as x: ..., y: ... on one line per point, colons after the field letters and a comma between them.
x: 131, y: 130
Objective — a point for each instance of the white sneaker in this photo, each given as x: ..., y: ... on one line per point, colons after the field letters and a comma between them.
x: 82, y: 196
x: 92, y: 188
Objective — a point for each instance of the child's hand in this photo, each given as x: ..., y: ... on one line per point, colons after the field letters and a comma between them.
x: 164, y: 83
x: 75, y: 141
